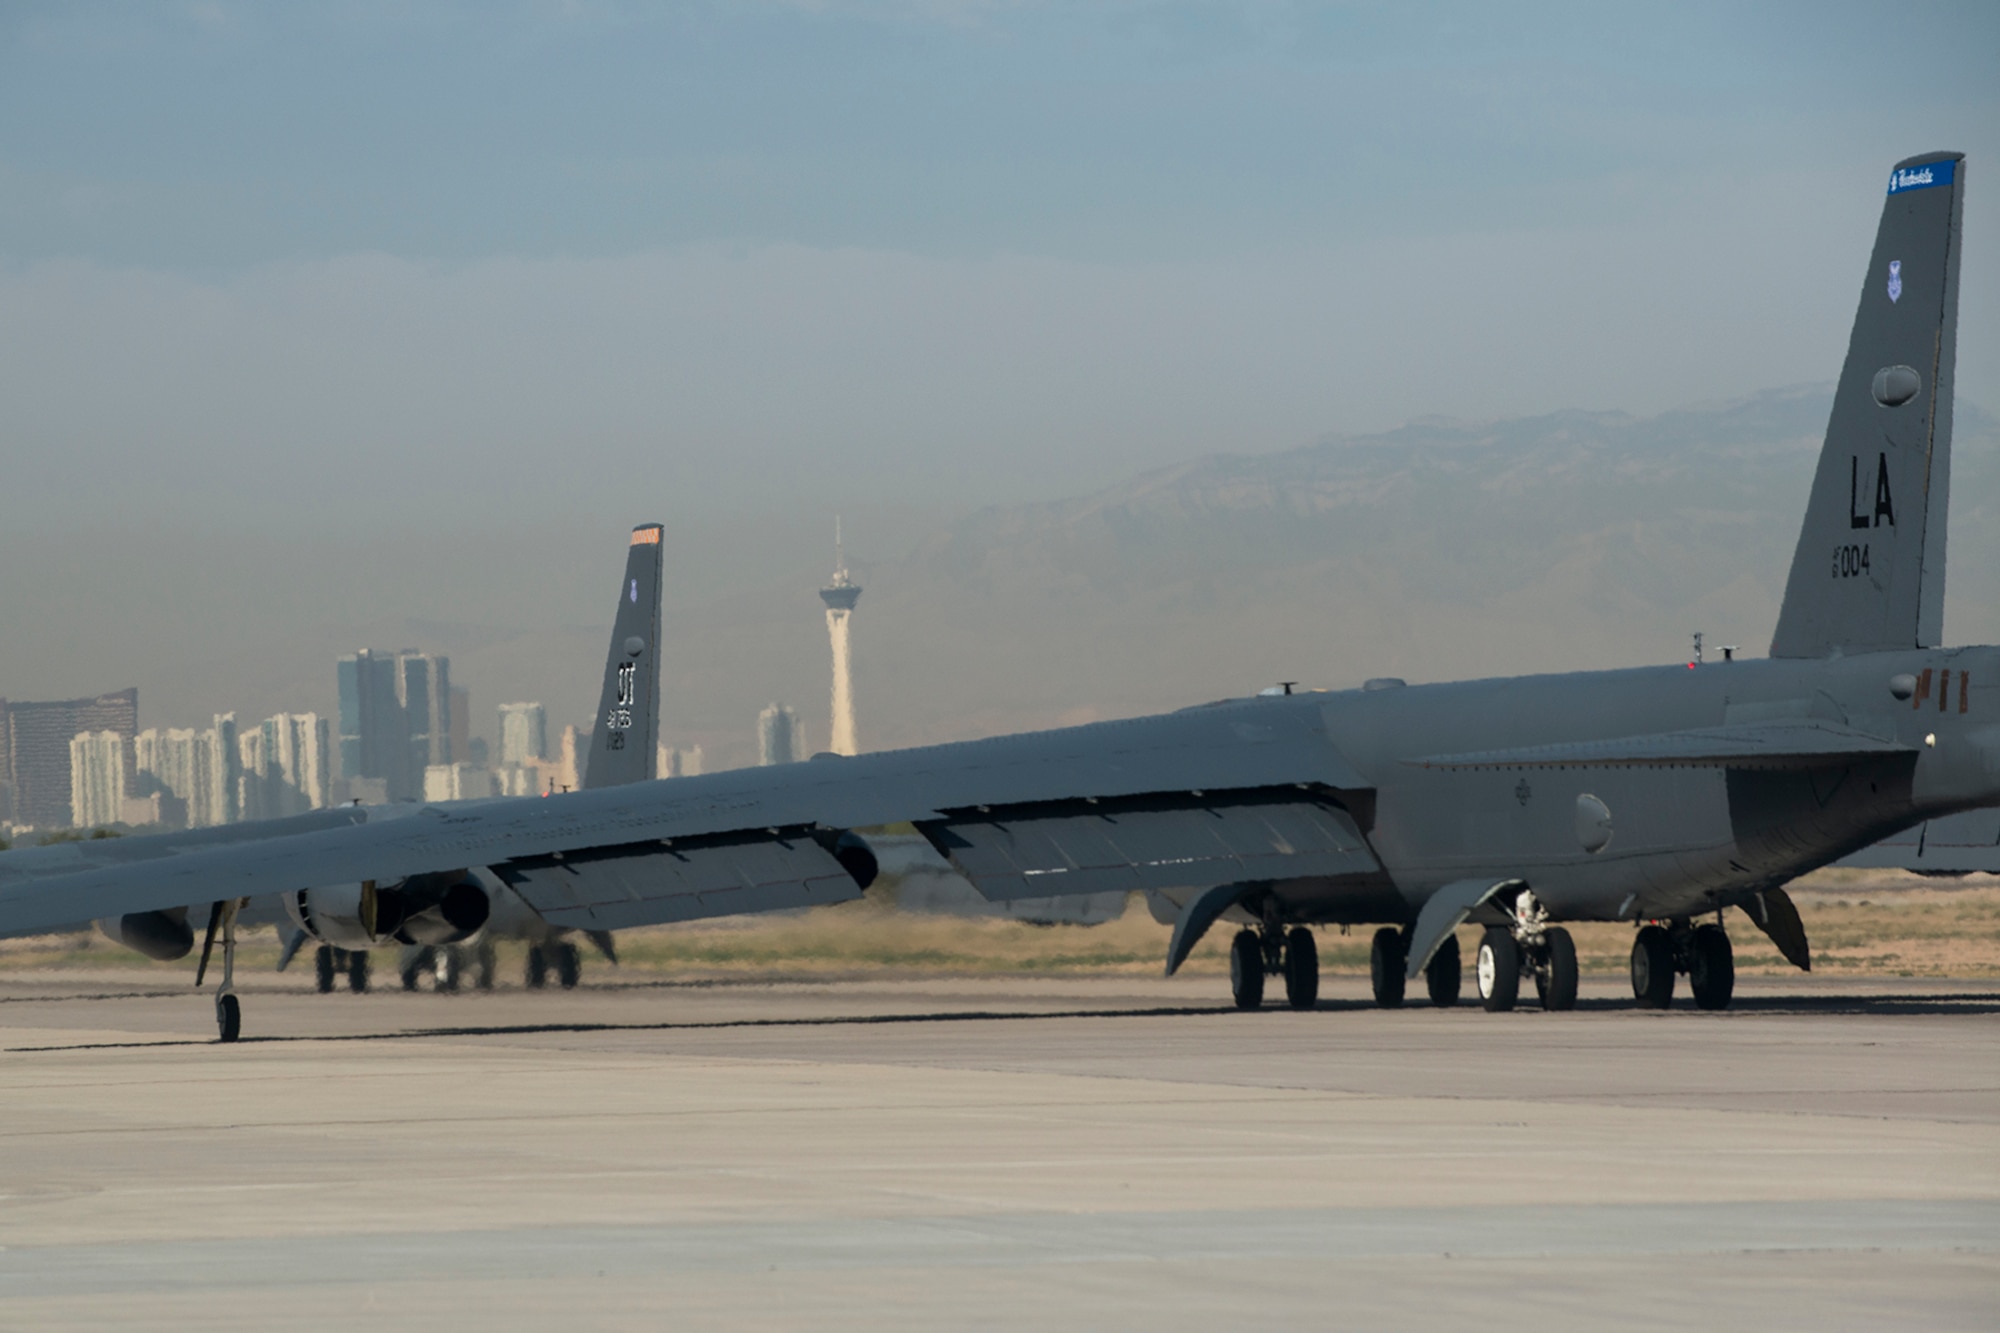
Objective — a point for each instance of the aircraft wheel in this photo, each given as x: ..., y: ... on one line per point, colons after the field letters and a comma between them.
x: 482, y: 971
x: 449, y: 966
x: 415, y: 963
x: 569, y: 965
x: 1246, y: 970
x: 323, y: 969
x: 1499, y: 969
x: 1555, y: 979
x: 1386, y: 960
x: 1712, y: 973
x: 357, y: 971
x: 538, y: 967
x: 1442, y: 974
x: 1653, y: 968
x: 228, y: 1018
x: 1301, y: 968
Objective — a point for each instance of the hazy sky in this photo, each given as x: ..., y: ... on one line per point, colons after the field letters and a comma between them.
x: 288, y: 279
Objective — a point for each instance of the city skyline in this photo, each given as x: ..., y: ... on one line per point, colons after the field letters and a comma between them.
x: 735, y: 288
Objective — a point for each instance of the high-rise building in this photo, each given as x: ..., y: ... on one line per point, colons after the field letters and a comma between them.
x: 220, y: 774
x: 840, y: 595
x: 97, y: 778
x: 457, y: 782
x: 779, y: 739
x: 6, y: 767
x: 674, y: 763
x: 374, y: 736
x: 567, y: 772
x: 460, y: 734
x: 524, y: 733
x: 395, y: 718
x: 37, y: 751
x: 518, y: 780
x: 167, y: 769
x: 287, y: 766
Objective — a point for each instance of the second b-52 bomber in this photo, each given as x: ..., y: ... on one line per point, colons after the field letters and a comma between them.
x: 1655, y: 795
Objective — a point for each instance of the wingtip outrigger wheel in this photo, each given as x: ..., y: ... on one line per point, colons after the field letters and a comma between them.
x: 228, y: 1010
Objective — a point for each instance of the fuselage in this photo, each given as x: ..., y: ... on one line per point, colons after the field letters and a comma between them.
x: 1683, y: 838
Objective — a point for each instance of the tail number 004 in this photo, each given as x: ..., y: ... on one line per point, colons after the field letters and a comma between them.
x: 1850, y: 562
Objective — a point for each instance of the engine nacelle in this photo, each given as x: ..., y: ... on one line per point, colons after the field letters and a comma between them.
x: 164, y: 935
x: 441, y: 908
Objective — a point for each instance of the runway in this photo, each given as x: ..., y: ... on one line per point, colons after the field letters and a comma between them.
x: 1083, y: 1153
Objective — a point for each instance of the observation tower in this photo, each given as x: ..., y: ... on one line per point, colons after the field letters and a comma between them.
x: 840, y: 595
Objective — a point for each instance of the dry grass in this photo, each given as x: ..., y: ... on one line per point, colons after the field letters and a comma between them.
x: 1862, y: 923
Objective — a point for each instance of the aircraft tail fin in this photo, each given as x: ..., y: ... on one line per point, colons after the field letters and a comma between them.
x: 1868, y: 574
x: 624, y: 738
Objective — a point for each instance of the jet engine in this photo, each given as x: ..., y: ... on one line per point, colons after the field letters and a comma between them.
x: 164, y: 935
x: 441, y: 908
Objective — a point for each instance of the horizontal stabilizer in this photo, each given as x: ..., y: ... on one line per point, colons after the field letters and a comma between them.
x: 1957, y: 844
x: 1785, y: 745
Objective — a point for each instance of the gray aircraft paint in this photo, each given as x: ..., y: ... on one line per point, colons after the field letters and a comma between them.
x: 1718, y: 782
x: 1869, y: 570
x: 625, y: 734
x: 1960, y: 844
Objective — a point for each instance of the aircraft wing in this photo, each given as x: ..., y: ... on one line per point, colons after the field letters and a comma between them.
x: 757, y: 839
x: 1790, y: 744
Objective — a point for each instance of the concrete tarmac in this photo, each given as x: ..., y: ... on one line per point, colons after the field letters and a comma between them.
x: 992, y: 1153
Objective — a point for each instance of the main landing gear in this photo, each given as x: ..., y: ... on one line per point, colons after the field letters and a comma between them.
x: 568, y: 964
x: 1526, y: 943
x: 1253, y: 954
x: 448, y: 966
x: 329, y: 964
x: 1389, y: 956
x: 1703, y: 952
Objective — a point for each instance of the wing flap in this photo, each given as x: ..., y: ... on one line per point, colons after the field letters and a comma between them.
x: 610, y: 888
x: 1780, y: 745
x: 1186, y: 842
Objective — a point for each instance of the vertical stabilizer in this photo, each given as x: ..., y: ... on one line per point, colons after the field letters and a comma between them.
x: 624, y: 738
x: 1869, y: 571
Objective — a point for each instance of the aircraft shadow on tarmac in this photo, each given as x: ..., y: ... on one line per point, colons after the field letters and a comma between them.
x: 1895, y: 1006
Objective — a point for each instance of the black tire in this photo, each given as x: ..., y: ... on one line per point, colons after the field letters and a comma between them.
x: 1712, y: 969
x: 482, y: 972
x: 415, y: 963
x: 1653, y: 968
x: 1387, y: 957
x: 538, y: 967
x: 323, y: 972
x: 228, y: 1018
x: 357, y: 972
x: 1555, y: 979
x: 1246, y: 970
x: 1444, y: 974
x: 1499, y: 969
x: 1301, y: 968
x: 569, y: 965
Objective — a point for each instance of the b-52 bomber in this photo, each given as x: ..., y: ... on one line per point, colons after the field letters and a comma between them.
x: 1655, y: 795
